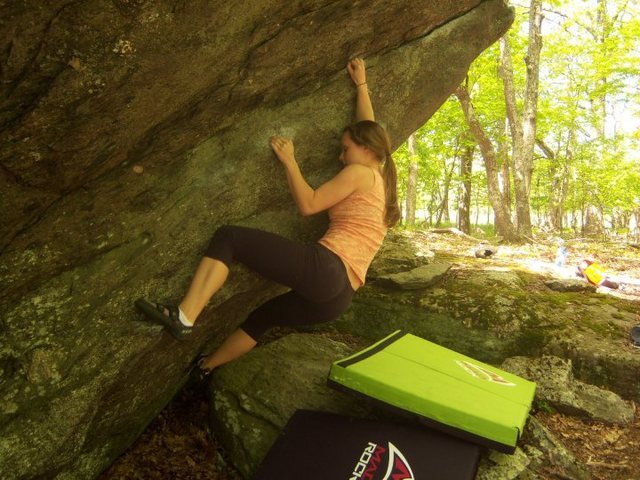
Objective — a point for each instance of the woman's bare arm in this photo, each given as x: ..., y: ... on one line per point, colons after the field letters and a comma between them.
x: 357, y: 72
x: 309, y: 200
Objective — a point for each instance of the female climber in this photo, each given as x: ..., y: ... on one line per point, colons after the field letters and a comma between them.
x: 323, y: 276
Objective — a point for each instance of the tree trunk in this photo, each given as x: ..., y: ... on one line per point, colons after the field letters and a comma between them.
x: 593, y: 225
x: 523, y: 127
x: 503, y: 159
x: 574, y: 221
x: 476, y: 220
x: 599, y: 102
x: 558, y: 186
x: 504, y: 226
x: 443, y: 209
x: 446, y: 217
x: 412, y: 181
x: 464, y: 197
x: 634, y: 225
x: 431, y: 208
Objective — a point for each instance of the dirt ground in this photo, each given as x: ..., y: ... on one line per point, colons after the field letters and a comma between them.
x: 609, y: 451
x: 180, y: 445
x: 177, y: 445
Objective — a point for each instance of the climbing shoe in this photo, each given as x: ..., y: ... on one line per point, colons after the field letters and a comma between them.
x: 165, y: 315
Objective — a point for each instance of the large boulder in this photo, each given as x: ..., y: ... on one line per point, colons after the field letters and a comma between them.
x: 130, y: 130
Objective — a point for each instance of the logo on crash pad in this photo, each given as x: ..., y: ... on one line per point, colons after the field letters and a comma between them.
x: 370, y: 465
x: 484, y: 374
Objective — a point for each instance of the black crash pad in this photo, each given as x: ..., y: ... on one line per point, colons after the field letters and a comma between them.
x: 326, y: 446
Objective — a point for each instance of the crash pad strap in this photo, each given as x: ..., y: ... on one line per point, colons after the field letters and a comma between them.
x: 378, y: 347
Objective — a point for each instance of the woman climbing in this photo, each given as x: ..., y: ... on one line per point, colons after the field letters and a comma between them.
x: 323, y: 276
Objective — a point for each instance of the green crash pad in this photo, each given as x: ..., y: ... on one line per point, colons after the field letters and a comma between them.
x: 442, y: 388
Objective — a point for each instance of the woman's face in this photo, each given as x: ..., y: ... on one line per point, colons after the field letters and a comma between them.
x: 351, y: 152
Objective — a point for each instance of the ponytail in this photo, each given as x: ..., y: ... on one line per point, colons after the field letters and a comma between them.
x: 373, y: 136
x: 390, y: 176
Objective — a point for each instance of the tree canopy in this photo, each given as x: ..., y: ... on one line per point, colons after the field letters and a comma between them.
x: 584, y: 173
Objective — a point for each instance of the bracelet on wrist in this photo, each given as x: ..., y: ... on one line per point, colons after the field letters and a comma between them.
x: 360, y: 84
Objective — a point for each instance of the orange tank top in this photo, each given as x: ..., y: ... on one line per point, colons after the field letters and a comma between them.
x: 357, y: 227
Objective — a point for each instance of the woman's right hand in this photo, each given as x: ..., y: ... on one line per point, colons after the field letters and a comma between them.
x: 356, y: 70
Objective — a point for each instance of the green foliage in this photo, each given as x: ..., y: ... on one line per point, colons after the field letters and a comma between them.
x: 588, y: 113
x: 438, y: 144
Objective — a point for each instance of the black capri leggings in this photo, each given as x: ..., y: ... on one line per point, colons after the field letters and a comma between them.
x: 320, y: 288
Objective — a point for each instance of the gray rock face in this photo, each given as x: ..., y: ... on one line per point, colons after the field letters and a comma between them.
x: 556, y: 386
x: 399, y: 253
x: 496, y: 280
x: 130, y: 130
x: 418, y: 278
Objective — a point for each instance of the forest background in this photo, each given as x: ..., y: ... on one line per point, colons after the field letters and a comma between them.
x: 543, y: 137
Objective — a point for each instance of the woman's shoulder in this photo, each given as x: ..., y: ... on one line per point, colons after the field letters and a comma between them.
x: 365, y: 177
x: 356, y: 169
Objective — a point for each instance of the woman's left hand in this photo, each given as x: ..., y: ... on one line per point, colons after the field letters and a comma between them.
x: 283, y: 148
x: 357, y: 71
